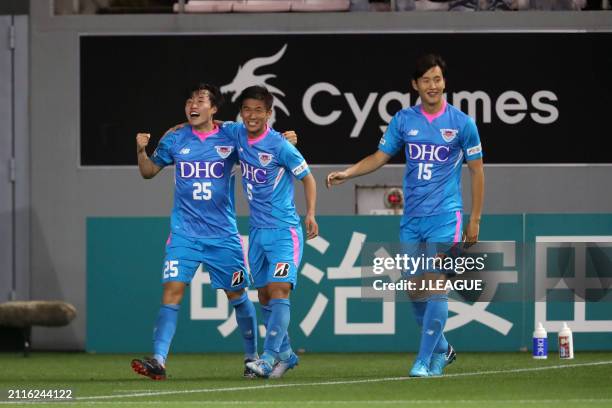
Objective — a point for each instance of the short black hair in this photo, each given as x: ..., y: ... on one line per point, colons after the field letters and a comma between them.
x: 259, y: 93
x: 426, y: 62
x: 214, y: 94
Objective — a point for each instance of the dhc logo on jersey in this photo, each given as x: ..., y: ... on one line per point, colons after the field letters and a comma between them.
x: 199, y: 169
x: 428, y: 152
x: 252, y: 173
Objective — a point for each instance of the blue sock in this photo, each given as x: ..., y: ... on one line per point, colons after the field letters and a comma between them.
x: 442, y: 345
x: 276, y: 330
x: 247, y: 322
x: 285, y: 348
x: 418, y: 308
x: 165, y: 326
x: 434, y: 319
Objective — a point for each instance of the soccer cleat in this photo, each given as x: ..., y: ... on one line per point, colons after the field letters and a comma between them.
x: 419, y: 369
x: 260, y: 367
x: 283, y: 366
x: 149, y: 367
x: 440, y: 360
x: 248, y: 373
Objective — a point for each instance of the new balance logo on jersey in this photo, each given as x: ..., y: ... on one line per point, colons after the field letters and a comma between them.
x: 281, y: 270
x: 252, y: 173
x: 428, y: 152
x: 224, y: 151
x: 199, y: 169
x: 185, y: 150
x: 449, y: 134
x: 265, y: 158
x: 237, y: 278
x: 413, y: 132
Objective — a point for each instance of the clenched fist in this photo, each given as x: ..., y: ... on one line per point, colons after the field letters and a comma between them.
x: 142, y: 140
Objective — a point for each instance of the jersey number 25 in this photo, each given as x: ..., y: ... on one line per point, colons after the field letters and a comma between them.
x: 201, y: 191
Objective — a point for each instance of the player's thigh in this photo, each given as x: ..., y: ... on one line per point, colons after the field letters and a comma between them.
x: 258, y: 263
x: 182, y: 259
x: 443, y: 228
x: 443, y: 235
x: 412, y: 246
x: 224, y: 260
x: 284, y: 247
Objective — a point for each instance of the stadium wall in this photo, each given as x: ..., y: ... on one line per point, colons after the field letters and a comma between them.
x: 64, y: 194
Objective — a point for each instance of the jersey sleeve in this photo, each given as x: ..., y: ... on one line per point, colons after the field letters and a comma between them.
x: 232, y: 130
x: 470, y: 141
x: 292, y: 159
x: 391, y: 142
x: 163, y: 156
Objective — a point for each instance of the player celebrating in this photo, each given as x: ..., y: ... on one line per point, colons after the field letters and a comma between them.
x: 436, y: 137
x: 268, y: 163
x: 203, y: 223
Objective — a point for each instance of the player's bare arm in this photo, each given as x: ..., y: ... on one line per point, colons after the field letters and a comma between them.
x: 147, y: 168
x: 477, y: 178
x: 310, y: 191
x: 367, y: 165
x: 290, y: 135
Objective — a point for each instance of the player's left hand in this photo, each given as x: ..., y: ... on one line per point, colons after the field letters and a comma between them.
x: 312, y: 228
x: 470, y: 235
x: 176, y: 127
x: 291, y: 136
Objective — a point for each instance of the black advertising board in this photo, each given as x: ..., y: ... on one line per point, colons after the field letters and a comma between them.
x: 536, y: 97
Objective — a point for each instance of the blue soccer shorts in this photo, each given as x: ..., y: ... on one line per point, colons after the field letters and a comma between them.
x: 430, y: 236
x: 275, y: 254
x: 223, y: 258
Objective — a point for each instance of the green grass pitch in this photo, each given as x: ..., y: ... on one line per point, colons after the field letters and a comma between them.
x: 325, y: 380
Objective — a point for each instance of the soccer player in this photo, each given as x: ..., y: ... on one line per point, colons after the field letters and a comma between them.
x: 268, y: 163
x: 203, y: 223
x: 436, y: 137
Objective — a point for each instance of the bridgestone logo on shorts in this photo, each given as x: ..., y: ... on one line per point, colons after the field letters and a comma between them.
x: 281, y: 270
x: 237, y: 278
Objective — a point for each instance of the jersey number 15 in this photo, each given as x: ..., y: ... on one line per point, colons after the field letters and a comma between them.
x: 425, y: 171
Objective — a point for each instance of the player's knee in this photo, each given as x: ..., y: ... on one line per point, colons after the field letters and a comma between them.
x: 279, y: 290
x: 262, y: 294
x: 173, y: 293
x: 233, y: 295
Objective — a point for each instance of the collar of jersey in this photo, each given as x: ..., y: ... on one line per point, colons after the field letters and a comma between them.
x: 258, y: 138
x: 431, y: 116
x: 203, y: 135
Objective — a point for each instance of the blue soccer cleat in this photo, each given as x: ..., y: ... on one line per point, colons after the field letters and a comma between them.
x: 260, y: 367
x: 283, y: 366
x: 440, y: 360
x: 419, y: 369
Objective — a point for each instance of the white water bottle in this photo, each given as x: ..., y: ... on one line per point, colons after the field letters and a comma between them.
x: 540, y: 342
x: 566, y: 342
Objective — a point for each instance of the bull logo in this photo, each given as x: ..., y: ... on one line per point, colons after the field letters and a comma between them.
x: 246, y: 77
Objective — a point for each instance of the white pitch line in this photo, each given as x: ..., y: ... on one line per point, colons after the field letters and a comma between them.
x: 346, y: 402
x: 347, y: 382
